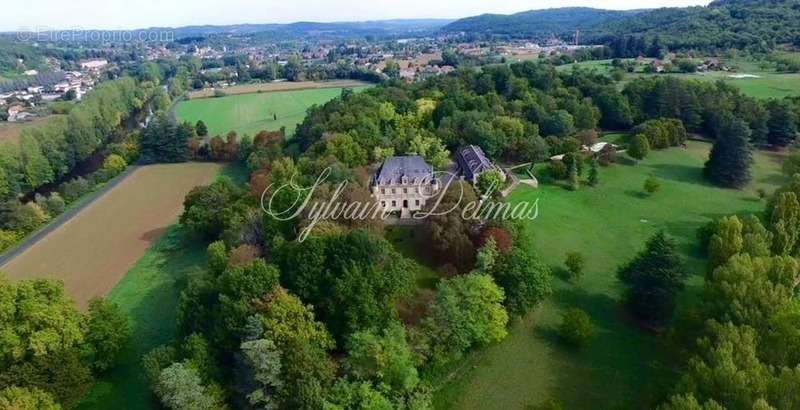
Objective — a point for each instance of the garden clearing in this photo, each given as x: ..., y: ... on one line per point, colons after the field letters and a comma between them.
x: 247, y: 114
x: 92, y: 251
x: 624, y: 367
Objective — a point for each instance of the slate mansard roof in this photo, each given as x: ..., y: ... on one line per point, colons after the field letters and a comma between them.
x: 472, y: 161
x: 413, y: 167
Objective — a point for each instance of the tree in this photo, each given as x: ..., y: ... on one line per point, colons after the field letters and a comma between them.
x: 490, y: 182
x: 264, y: 360
x: 36, y: 168
x: 575, y: 264
x: 726, y: 242
x: 652, y: 185
x: 180, y: 387
x: 306, y: 369
x: 526, y: 281
x: 107, y: 333
x: 42, y: 320
x: 730, y: 160
x: 357, y: 395
x: 688, y: 402
x: 467, y: 312
x: 782, y: 123
x: 165, y: 141
x: 639, y: 147
x: 202, y: 212
x: 726, y: 368
x: 652, y: 280
x: 201, y: 129
x: 449, y: 234
x: 18, y: 398
x: 785, y: 222
x: 392, y: 69
x: 383, y: 357
x: 574, y: 181
x: 576, y: 328
x: 594, y: 173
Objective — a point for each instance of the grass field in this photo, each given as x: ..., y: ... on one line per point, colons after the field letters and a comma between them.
x: 279, y: 86
x: 250, y: 113
x: 608, y: 224
x: 149, y: 295
x: 769, y: 84
x: 92, y: 251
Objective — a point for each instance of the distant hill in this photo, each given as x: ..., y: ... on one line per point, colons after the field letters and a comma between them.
x: 315, y: 29
x: 537, y: 24
x: 723, y: 24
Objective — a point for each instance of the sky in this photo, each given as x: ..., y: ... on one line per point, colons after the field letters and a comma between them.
x: 130, y: 14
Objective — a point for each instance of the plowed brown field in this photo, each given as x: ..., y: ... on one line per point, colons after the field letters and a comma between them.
x: 93, y: 250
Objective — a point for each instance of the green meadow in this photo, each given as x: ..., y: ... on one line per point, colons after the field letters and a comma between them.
x: 250, y: 113
x: 608, y: 224
x: 767, y: 83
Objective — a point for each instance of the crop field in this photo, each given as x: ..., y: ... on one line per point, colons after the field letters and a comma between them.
x: 92, y: 251
x: 247, y: 114
x: 608, y: 224
x: 752, y: 78
x: 279, y: 86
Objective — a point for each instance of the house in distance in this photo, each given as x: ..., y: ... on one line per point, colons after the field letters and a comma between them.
x: 404, y: 184
x: 472, y: 162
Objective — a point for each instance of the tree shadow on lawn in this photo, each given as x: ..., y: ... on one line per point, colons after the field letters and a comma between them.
x: 637, y: 194
x: 622, y: 367
x: 681, y: 173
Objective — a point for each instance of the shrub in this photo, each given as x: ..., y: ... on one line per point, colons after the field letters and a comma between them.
x: 54, y: 204
x: 75, y: 188
x: 575, y: 264
x: 558, y: 170
x: 113, y: 165
x: 652, y: 185
x: 576, y: 328
x: 8, y: 238
x: 26, y: 218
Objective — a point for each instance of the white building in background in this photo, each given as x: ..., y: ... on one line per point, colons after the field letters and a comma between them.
x: 94, y: 64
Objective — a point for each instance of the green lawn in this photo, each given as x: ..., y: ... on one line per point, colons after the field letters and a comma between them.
x: 769, y: 84
x: 149, y: 295
x: 608, y: 224
x: 251, y: 113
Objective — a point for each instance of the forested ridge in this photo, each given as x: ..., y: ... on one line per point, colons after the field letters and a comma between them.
x: 757, y: 25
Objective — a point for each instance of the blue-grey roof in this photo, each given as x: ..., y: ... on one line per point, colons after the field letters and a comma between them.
x: 472, y: 161
x: 413, y: 167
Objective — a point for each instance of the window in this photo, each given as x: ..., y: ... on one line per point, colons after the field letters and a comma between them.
x: 393, y: 191
x: 394, y: 203
x: 383, y: 204
x: 405, y: 190
x: 383, y: 190
x: 416, y: 202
